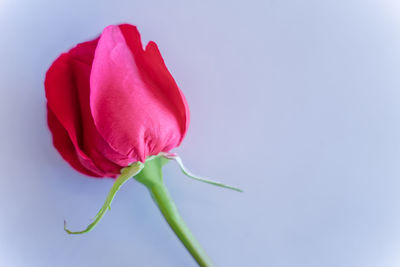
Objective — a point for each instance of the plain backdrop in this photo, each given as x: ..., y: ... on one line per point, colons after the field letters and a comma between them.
x: 296, y: 102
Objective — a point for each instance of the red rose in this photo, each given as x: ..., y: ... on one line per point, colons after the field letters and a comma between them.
x: 115, y: 110
x: 112, y: 103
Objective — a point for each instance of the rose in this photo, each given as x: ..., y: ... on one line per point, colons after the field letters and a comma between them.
x: 115, y: 110
x: 111, y: 103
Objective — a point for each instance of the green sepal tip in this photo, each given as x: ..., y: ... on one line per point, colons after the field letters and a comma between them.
x: 185, y: 171
x: 126, y: 174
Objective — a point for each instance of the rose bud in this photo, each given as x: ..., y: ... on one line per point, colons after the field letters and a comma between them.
x: 112, y: 103
x: 114, y: 110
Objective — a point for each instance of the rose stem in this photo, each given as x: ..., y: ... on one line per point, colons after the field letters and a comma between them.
x: 151, y: 177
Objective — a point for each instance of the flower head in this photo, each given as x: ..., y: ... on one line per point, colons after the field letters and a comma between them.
x: 112, y: 102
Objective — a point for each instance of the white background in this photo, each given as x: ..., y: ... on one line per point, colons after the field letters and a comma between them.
x: 297, y: 102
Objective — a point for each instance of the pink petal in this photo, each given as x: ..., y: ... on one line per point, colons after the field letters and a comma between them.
x: 153, y: 69
x: 132, y: 112
x: 108, y: 160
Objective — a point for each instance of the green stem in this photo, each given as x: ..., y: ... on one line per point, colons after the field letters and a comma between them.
x: 151, y: 177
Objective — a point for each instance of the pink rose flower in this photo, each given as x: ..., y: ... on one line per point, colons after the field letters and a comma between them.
x: 111, y: 103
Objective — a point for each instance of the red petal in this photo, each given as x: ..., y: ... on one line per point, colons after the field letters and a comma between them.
x: 62, y: 100
x: 131, y: 111
x: 84, y: 52
x: 64, y: 145
x: 92, y: 143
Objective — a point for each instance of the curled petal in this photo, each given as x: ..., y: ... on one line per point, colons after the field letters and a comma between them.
x: 62, y: 100
x: 154, y: 70
x: 65, y: 147
x: 137, y: 116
